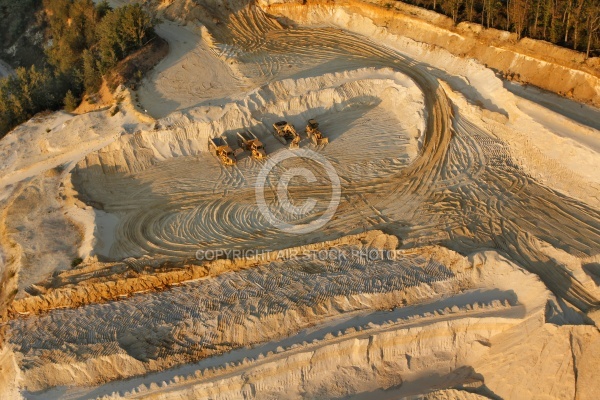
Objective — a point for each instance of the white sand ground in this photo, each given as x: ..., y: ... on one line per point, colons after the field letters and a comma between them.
x: 428, y: 146
x: 37, y: 158
x: 347, y: 104
x: 191, y: 73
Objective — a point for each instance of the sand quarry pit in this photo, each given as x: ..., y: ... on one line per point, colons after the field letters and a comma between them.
x: 215, y: 206
x: 461, y: 253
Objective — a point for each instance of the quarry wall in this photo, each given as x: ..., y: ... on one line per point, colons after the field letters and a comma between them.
x: 526, y: 61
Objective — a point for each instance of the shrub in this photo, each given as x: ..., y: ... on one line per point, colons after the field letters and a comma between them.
x: 71, y: 102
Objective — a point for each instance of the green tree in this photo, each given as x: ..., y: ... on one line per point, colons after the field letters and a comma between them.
x: 73, y: 29
x: 121, y: 32
x: 102, y: 8
x: 91, y: 74
x: 518, y: 13
x: 87, y: 40
x: 71, y: 102
x: 136, y: 25
x: 111, y: 44
x: 26, y: 93
x: 592, y: 24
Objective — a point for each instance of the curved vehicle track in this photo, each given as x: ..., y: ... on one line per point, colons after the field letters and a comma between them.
x: 463, y: 190
x: 482, y: 194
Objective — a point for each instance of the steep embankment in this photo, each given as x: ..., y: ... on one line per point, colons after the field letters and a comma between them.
x: 527, y: 61
x: 347, y: 349
x: 269, y: 306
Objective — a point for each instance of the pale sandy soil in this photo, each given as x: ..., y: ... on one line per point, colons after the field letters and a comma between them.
x: 98, y: 101
x: 192, y: 73
x: 438, y: 335
x: 308, y: 295
x: 433, y: 149
x: 36, y: 160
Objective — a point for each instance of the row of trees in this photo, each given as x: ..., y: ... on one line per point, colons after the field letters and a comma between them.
x: 86, y: 41
x: 89, y: 40
x: 571, y: 23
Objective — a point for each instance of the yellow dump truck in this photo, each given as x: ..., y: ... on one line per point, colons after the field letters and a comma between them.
x: 249, y: 142
x: 219, y: 147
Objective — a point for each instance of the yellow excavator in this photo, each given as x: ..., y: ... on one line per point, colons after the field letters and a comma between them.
x: 285, y: 132
x: 314, y: 134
